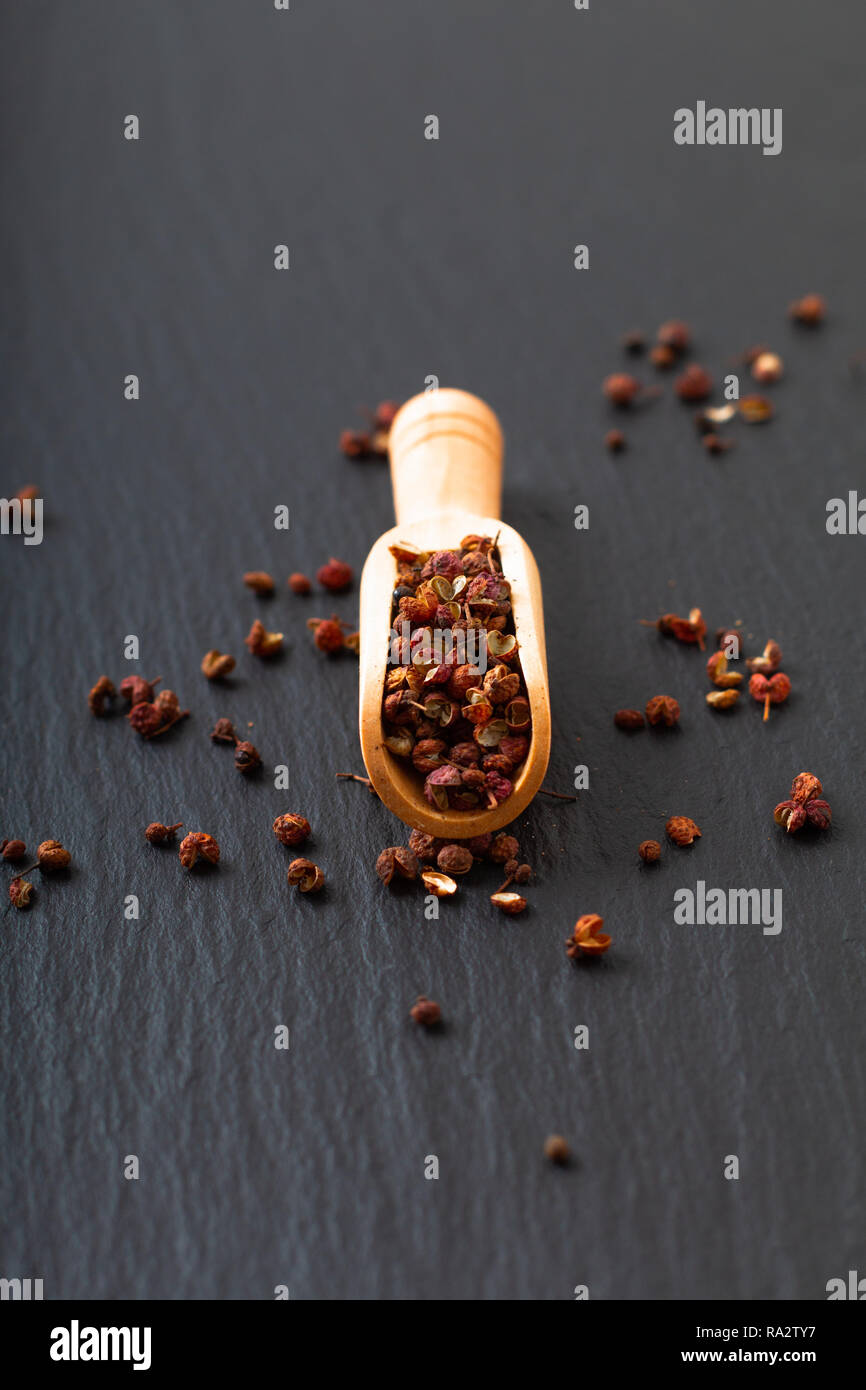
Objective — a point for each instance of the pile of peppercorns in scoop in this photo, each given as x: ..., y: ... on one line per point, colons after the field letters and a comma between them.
x: 455, y: 700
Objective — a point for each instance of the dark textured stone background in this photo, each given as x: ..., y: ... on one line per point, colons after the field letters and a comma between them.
x: 408, y: 258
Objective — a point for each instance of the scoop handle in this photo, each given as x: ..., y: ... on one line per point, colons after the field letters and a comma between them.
x: 446, y: 456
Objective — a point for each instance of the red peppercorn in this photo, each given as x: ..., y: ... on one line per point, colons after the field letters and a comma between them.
x: 13, y: 850
x: 425, y: 1012
x: 355, y: 444
x: 384, y: 416
x: 620, y: 388
x: 809, y: 310
x: 336, y: 575
x: 137, y: 691
x: 198, y: 844
x: 327, y: 633
x: 694, y: 384
x: 615, y: 441
x: 674, y: 334
x: 299, y: 583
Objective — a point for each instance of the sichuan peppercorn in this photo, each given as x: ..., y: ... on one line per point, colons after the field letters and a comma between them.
x: 223, y: 731
x: 425, y: 1012
x: 772, y: 692
x: 20, y: 892
x: 336, y: 575
x: 52, y: 855
x: 217, y: 664
x: 615, y: 441
x: 510, y: 903
x: 13, y: 850
x: 261, y: 642
x: 587, y: 938
x: 159, y: 834
x: 682, y: 830
x: 327, y: 633
x: 305, y: 875
x: 556, y: 1150
x: 137, y: 691
x: 662, y: 709
x: 454, y: 859
x: 247, y: 757
x: 354, y: 443
x: 299, y: 583
x: 292, y: 829
x: 694, y: 384
x: 620, y: 388
x: 102, y: 691
x: 198, y: 845
x: 503, y: 847
x: 804, y: 786
x: 397, y: 861
x: 810, y: 310
x: 649, y: 851
x: 629, y: 719
x: 259, y: 582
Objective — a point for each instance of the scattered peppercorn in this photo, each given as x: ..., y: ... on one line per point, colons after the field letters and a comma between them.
x: 425, y: 1012
x: 767, y: 367
x: 772, y: 692
x: 259, y: 582
x: 587, y: 939
x: 662, y: 356
x: 804, y: 787
x: 247, y: 757
x: 682, y: 830
x: 615, y: 441
x: 662, y: 709
x: 327, y: 633
x: 717, y: 670
x: 437, y: 883
x: 722, y: 699
x: 769, y: 660
x: 620, y: 388
x: 168, y: 704
x: 336, y: 575
x: 299, y: 583
x: 755, y: 410
x: 52, y: 855
x: 634, y: 342
x: 556, y: 1150
x: 509, y: 903
x: 159, y: 834
x: 216, y: 664
x: 424, y: 846
x: 355, y: 444
x: 137, y: 691
x: 383, y: 417
x: 675, y: 334
x: 305, y: 875
x: 198, y: 844
x: 694, y: 384
x: 690, y: 630
x: 399, y: 861
x: 102, y: 691
x: 292, y: 829
x: 649, y: 851
x: 455, y: 859
x: 716, y: 443
x: 223, y: 731
x: 20, y: 892
x: 810, y: 310
x: 629, y: 719
x: 261, y: 642
x: 13, y: 850
x: 503, y: 847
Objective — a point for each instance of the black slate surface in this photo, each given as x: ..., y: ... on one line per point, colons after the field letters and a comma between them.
x: 411, y: 257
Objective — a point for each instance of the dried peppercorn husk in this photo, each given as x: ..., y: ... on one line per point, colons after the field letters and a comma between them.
x: 769, y: 660
x: 441, y: 885
x: 13, y: 850
x: 805, y: 786
x: 291, y: 828
x: 336, y: 575
x: 557, y: 1150
x: 261, y: 642
x: 756, y: 410
x: 52, y: 855
x: 810, y: 310
x: 138, y: 691
x: 299, y: 583
x: 305, y: 875
x: 510, y: 903
x: 682, y: 830
x: 455, y: 859
x: 587, y: 938
x: 102, y: 691
x: 793, y: 815
x: 717, y: 670
x: 722, y: 699
x: 629, y: 719
x: 397, y: 861
x: 247, y: 756
x: 425, y: 1012
x: 690, y: 630
x: 259, y: 581
x: 198, y: 845
x: 649, y: 851
x: 694, y: 384
x: 771, y: 692
x: 328, y: 633
x: 158, y: 834
x: 20, y: 892
x: 662, y: 709
x: 216, y: 664
x: 223, y: 731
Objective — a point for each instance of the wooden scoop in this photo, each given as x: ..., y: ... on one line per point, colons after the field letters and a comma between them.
x: 446, y: 476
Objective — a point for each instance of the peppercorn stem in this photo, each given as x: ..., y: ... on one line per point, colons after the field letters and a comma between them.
x: 766, y: 709
x: 354, y: 777
x: 560, y: 796
x: 181, y: 714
